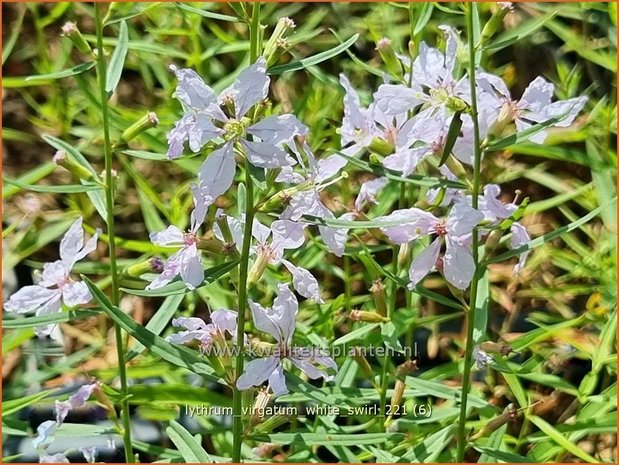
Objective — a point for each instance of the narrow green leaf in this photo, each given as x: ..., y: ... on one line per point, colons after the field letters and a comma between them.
x: 187, y: 445
x: 452, y: 136
x: 32, y: 321
x: 15, y: 405
x: 117, y: 61
x: 314, y: 59
x: 42, y: 78
x: 556, y: 436
x: 66, y: 189
x: 521, y: 136
x: 323, y: 439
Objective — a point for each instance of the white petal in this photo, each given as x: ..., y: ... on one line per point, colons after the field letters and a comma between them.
x: 192, y: 272
x: 329, y: 167
x: 191, y: 89
x: 202, y: 131
x: 265, y: 155
x: 201, y: 201
x: 458, y: 264
x: 251, y: 86
x: 462, y: 219
x: 304, y: 282
x: 53, y: 273
x: 74, y: 294
x: 170, y: 270
x: 30, y: 298
x: 520, y: 237
x: 414, y: 223
x: 178, y: 135
x: 286, y: 306
x: 276, y: 130
x: 190, y: 323
x: 90, y: 453
x: 277, y: 382
x: 394, y: 99
x: 405, y: 160
x: 265, y: 320
x: 288, y: 234
x: 369, y: 190
x: 306, y: 359
x: 538, y: 94
x: 566, y: 109
x: 225, y: 320
x: 168, y: 237
x: 257, y: 372
x: 336, y: 238
x: 423, y: 263
x: 72, y: 242
x: 217, y: 172
x: 45, y: 434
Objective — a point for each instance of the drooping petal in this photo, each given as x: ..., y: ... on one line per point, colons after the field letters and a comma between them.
x: 76, y: 293
x: 178, y: 135
x: 201, y: 202
x: 458, y: 264
x: 357, y: 123
x: 251, y: 86
x: 30, y: 298
x: 492, y: 207
x: 567, y: 110
x: 429, y: 66
x: 217, y: 172
x: 288, y: 176
x: 171, y: 236
x: 202, y: 131
x: 197, y: 330
x: 369, y: 190
x: 520, y: 237
x: 423, y: 263
x: 190, y: 323
x: 277, y: 381
x: 62, y: 410
x: 257, y: 372
x: 265, y: 155
x: 260, y: 231
x: 304, y: 282
x: 90, y: 453
x: 171, y: 269
x: 191, y: 270
x: 276, y: 130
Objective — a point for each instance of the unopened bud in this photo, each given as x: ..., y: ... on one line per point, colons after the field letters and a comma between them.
x: 149, y: 120
x: 365, y: 366
x: 368, y: 317
x: 387, y: 54
x: 495, y: 20
x: 104, y: 400
x: 152, y: 265
x: 277, y: 43
x: 496, y: 348
x: 212, y: 245
x: 70, y: 30
x: 258, y: 268
x: 264, y: 450
x: 493, y: 239
x: 403, y: 255
x: 455, y: 167
x: 378, y: 292
x: 61, y: 158
x: 381, y: 146
x: 456, y: 104
x: 398, y: 394
x: 406, y: 368
x: 509, y: 414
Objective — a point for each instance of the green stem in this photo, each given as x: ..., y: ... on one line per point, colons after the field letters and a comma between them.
x: 109, y: 201
x: 470, y: 318
x: 237, y: 400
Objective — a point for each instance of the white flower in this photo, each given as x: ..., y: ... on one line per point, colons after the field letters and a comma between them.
x: 55, y: 286
x: 280, y: 321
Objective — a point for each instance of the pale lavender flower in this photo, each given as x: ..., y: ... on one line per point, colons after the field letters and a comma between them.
x: 54, y: 285
x: 520, y: 237
x: 222, y: 321
x: 369, y: 190
x: 90, y: 453
x: 186, y: 262
x: 535, y: 105
x: 457, y: 263
x: 55, y: 458
x: 450, y: 195
x: 280, y: 321
x: 208, y: 117
x: 45, y: 435
x: 75, y: 401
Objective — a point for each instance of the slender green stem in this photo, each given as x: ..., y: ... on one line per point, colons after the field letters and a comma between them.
x: 237, y: 404
x: 470, y: 318
x: 109, y: 201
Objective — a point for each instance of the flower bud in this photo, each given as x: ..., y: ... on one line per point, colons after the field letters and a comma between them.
x: 71, y: 31
x: 387, y: 54
x: 277, y: 44
x: 509, y: 414
x: 257, y: 269
x: 368, y: 317
x: 496, y: 348
x: 455, y: 167
x: 212, y: 245
x: 378, y: 292
x: 152, y: 265
x: 381, y: 146
x: 77, y: 169
x: 104, y: 400
x: 495, y: 20
x: 149, y: 120
x: 456, y: 104
x: 396, y: 397
x: 356, y: 353
x: 403, y: 255
x: 406, y: 368
x: 493, y: 239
